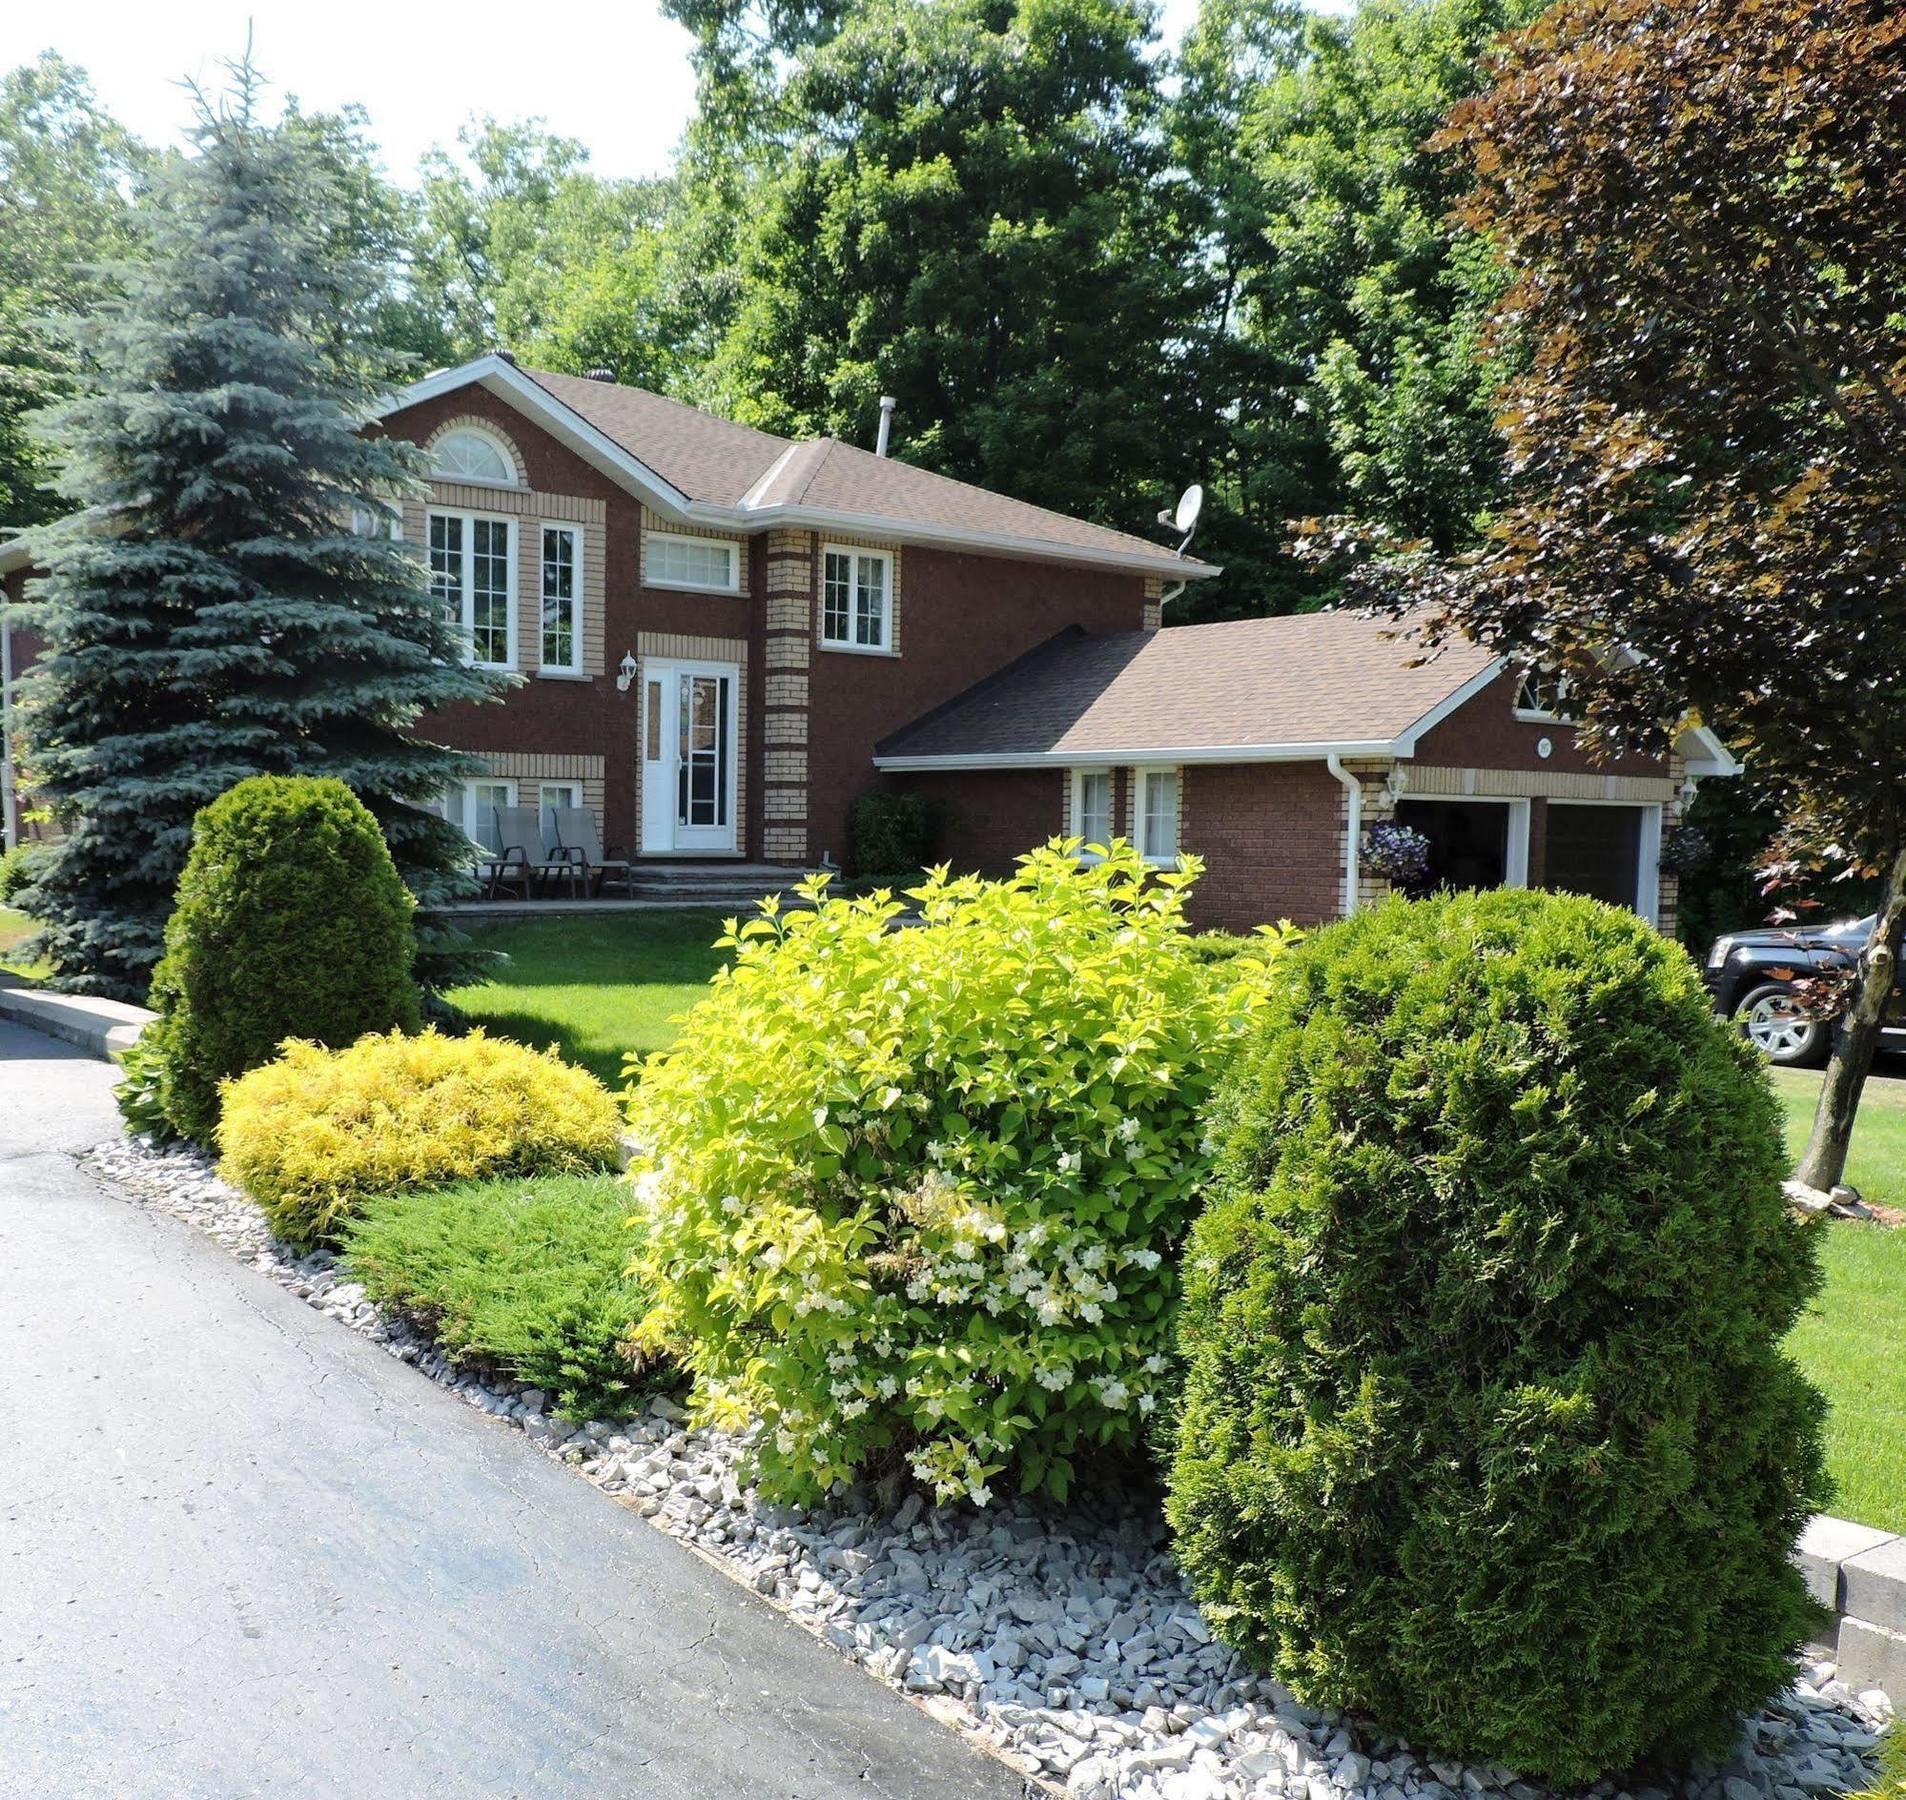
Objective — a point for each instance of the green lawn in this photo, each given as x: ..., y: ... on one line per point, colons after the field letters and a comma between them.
x: 14, y: 927
x: 597, y: 987
x: 1877, y: 1166
x: 1846, y: 1343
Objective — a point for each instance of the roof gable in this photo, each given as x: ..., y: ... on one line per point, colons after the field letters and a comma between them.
x: 695, y: 468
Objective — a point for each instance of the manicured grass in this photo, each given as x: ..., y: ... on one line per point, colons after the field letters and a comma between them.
x: 1877, y: 1166
x: 1846, y: 1343
x: 15, y: 927
x: 597, y: 987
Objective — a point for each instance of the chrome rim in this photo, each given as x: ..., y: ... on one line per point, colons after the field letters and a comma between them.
x: 1776, y: 1027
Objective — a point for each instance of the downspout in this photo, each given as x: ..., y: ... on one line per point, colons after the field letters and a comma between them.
x: 1353, y: 852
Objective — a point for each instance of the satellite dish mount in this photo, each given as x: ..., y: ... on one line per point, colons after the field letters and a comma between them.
x: 1184, y: 516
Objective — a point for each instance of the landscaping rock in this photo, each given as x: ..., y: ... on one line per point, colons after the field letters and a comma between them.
x: 1064, y: 1640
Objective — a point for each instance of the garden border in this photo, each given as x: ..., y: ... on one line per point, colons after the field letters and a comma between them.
x: 102, y: 1028
x: 1859, y: 1573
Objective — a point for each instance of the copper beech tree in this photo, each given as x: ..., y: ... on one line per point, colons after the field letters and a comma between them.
x: 1703, y: 204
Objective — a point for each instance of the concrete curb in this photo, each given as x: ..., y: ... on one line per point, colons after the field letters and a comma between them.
x: 101, y: 1028
x: 1859, y: 1572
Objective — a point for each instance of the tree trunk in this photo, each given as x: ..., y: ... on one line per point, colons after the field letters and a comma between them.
x: 1823, y: 1163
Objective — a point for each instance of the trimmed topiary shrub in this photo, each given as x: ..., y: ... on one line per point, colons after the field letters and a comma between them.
x: 530, y: 1277
x: 913, y: 1197
x: 291, y: 921
x: 888, y: 835
x: 1487, y: 1429
x: 312, y: 1136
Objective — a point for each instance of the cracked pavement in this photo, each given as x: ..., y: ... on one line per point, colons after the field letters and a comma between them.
x: 244, y: 1551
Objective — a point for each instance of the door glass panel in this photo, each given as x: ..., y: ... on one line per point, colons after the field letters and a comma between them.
x: 701, y: 782
x: 653, y: 744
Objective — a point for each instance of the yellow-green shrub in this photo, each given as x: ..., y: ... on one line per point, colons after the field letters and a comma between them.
x: 309, y: 1136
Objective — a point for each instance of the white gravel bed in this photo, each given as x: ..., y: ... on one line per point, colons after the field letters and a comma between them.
x: 1067, y: 1640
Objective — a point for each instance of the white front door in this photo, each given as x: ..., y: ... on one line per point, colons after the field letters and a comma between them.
x: 688, y: 756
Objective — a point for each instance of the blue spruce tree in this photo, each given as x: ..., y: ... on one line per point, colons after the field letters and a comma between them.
x: 226, y: 598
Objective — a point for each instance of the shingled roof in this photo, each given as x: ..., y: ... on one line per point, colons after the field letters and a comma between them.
x: 1247, y: 689
x: 697, y: 468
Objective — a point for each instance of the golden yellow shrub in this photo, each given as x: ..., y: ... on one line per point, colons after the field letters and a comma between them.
x: 311, y: 1135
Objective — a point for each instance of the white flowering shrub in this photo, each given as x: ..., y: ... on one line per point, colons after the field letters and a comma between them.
x: 915, y: 1196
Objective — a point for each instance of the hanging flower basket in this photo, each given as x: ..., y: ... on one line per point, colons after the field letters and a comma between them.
x: 1400, y: 855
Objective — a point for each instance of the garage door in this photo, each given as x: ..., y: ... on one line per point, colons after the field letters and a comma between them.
x: 1594, y: 850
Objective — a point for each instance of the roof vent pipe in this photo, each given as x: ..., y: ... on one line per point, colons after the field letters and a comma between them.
x: 887, y: 404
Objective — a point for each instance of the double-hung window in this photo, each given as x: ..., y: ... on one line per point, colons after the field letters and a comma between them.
x: 473, y: 577
x: 1158, y: 815
x: 562, y: 599
x: 856, y: 599
x: 1092, y: 810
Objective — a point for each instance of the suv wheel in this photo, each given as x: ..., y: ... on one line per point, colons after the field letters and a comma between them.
x: 1776, y: 1027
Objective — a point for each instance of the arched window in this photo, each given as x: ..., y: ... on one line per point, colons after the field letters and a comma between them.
x: 467, y: 455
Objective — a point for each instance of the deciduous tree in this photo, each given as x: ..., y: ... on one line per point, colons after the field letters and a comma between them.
x: 1704, y: 205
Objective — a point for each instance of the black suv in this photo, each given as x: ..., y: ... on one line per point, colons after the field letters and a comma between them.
x: 1751, y: 976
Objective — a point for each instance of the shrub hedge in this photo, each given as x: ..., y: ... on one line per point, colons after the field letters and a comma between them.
x: 913, y: 1197
x: 888, y: 835
x: 530, y: 1276
x: 291, y: 921
x: 312, y: 1136
x: 1487, y: 1429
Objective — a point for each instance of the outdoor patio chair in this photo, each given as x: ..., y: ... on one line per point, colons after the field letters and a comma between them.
x: 490, y: 872
x: 581, y: 840
x: 528, y: 850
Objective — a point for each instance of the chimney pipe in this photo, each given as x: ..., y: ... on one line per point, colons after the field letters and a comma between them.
x: 887, y: 404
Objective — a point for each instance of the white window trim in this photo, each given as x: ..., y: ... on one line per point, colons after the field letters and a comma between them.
x: 574, y: 665
x: 466, y: 621
x: 1140, y: 776
x: 732, y: 545
x: 1076, y: 780
x: 1647, y: 901
x: 573, y: 788
x: 511, y: 482
x: 1536, y: 715
x: 840, y: 647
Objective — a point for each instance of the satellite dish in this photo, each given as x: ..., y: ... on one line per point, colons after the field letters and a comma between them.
x: 1190, y: 505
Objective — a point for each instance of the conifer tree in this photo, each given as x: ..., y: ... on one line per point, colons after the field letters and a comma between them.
x: 226, y: 598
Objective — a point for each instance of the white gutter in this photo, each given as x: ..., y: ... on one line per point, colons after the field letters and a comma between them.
x: 1096, y: 755
x: 1353, y: 843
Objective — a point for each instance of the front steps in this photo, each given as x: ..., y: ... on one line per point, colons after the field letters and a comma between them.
x: 730, y: 884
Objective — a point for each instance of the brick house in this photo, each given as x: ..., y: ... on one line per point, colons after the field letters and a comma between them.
x: 722, y: 638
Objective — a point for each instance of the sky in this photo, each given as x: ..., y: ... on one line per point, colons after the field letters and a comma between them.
x: 613, y: 73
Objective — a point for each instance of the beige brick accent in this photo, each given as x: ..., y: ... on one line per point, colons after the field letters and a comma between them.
x: 784, y: 804
x: 786, y: 690
x: 785, y: 766
x: 1154, y: 613
x: 527, y: 767
x: 784, y: 843
x: 785, y: 651
x: 784, y: 728
x: 792, y: 587
x: 1538, y: 784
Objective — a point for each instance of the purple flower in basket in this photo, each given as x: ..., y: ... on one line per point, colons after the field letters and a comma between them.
x: 1400, y: 855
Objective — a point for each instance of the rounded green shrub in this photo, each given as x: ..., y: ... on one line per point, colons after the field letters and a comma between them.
x: 912, y: 1198
x: 1487, y: 1429
x: 291, y: 921
x: 888, y: 835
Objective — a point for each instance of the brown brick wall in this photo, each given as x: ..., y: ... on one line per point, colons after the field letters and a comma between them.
x: 963, y: 618
x: 1271, y: 835
x: 1485, y: 733
x: 984, y: 819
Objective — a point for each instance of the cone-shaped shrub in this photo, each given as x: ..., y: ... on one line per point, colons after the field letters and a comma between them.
x: 291, y: 921
x: 1488, y: 1431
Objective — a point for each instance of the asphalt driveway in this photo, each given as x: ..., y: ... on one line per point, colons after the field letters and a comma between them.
x: 244, y: 1551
